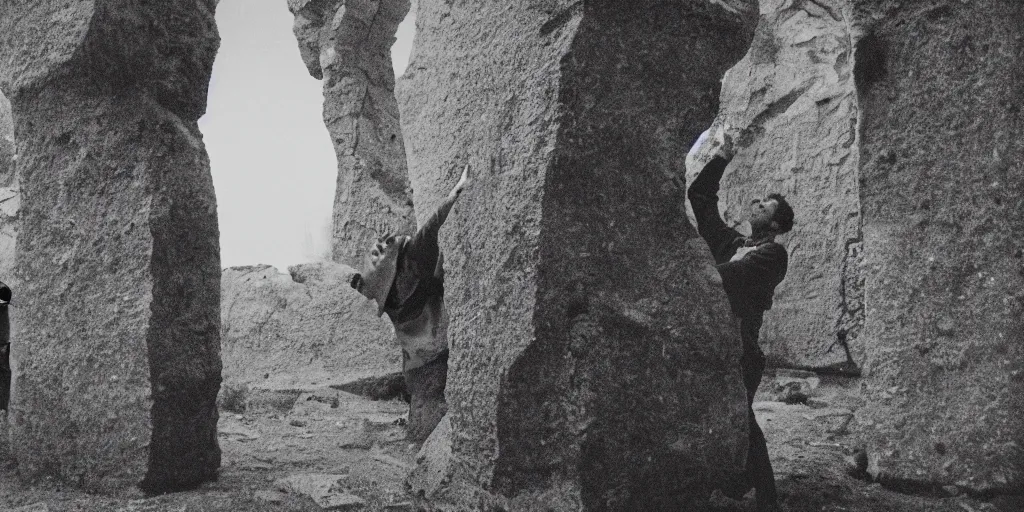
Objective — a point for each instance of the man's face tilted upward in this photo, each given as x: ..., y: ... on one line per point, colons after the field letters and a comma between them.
x: 762, y: 213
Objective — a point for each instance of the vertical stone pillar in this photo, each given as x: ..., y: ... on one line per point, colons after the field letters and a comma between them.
x: 942, y: 174
x: 117, y: 347
x: 593, y: 361
x: 794, y: 92
x: 347, y: 44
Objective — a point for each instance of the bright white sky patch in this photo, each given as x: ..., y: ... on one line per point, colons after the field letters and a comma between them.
x: 271, y: 156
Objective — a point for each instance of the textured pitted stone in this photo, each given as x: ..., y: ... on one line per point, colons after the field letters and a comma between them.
x: 347, y: 43
x: 795, y: 94
x: 309, y: 328
x: 6, y: 141
x: 942, y: 173
x: 593, y: 362
x: 10, y: 196
x: 117, y: 343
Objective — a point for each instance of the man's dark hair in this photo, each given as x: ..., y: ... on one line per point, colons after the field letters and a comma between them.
x: 783, y: 214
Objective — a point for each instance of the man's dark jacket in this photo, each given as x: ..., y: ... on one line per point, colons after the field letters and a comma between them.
x: 749, y: 282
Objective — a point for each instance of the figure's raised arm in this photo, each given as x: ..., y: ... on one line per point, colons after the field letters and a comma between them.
x: 703, y: 196
x: 434, y: 223
x: 423, y: 245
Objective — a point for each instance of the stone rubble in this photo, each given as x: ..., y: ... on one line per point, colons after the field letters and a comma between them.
x: 325, y: 489
x: 304, y: 329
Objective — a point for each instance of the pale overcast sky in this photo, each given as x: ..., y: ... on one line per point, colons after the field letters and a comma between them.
x: 271, y: 157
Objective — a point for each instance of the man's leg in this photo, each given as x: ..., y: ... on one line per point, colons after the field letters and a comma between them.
x: 759, y: 467
x: 5, y: 377
x: 427, y: 406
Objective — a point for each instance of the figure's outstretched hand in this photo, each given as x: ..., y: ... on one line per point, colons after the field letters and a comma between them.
x: 464, y: 181
x: 724, y: 141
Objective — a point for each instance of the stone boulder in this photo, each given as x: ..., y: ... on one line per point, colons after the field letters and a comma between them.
x: 116, y: 344
x: 942, y: 180
x: 593, y: 362
x: 347, y: 44
x: 307, y: 329
x: 794, y: 94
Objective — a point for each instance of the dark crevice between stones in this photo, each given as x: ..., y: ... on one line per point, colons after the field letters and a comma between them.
x: 560, y: 18
x: 926, y: 489
x: 869, y: 67
x: 378, y: 387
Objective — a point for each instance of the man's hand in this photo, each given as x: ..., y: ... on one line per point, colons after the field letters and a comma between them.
x: 464, y: 182
x: 724, y: 140
x: 741, y: 252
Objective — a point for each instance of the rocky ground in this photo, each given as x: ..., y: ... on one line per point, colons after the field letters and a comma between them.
x: 326, y: 449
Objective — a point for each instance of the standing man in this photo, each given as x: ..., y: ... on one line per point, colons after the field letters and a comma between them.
x: 751, y: 267
x: 406, y: 279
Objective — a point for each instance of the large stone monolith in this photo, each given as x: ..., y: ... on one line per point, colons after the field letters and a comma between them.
x: 794, y: 93
x: 593, y: 361
x: 347, y: 44
x: 116, y: 348
x: 942, y: 190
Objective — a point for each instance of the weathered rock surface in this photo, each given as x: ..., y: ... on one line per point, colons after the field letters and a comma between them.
x: 117, y: 343
x: 433, y: 463
x: 10, y: 196
x: 6, y: 140
x: 593, y: 362
x: 942, y: 174
x: 794, y: 92
x: 347, y: 43
x: 281, y: 331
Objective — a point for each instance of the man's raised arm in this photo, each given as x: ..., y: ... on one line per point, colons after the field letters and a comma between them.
x: 436, y: 220
x: 703, y: 195
x: 423, y: 246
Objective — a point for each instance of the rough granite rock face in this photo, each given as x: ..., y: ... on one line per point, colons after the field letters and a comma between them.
x: 10, y: 196
x: 281, y: 331
x: 117, y: 345
x: 6, y: 140
x: 593, y: 361
x: 794, y: 91
x: 347, y: 44
x: 942, y: 174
